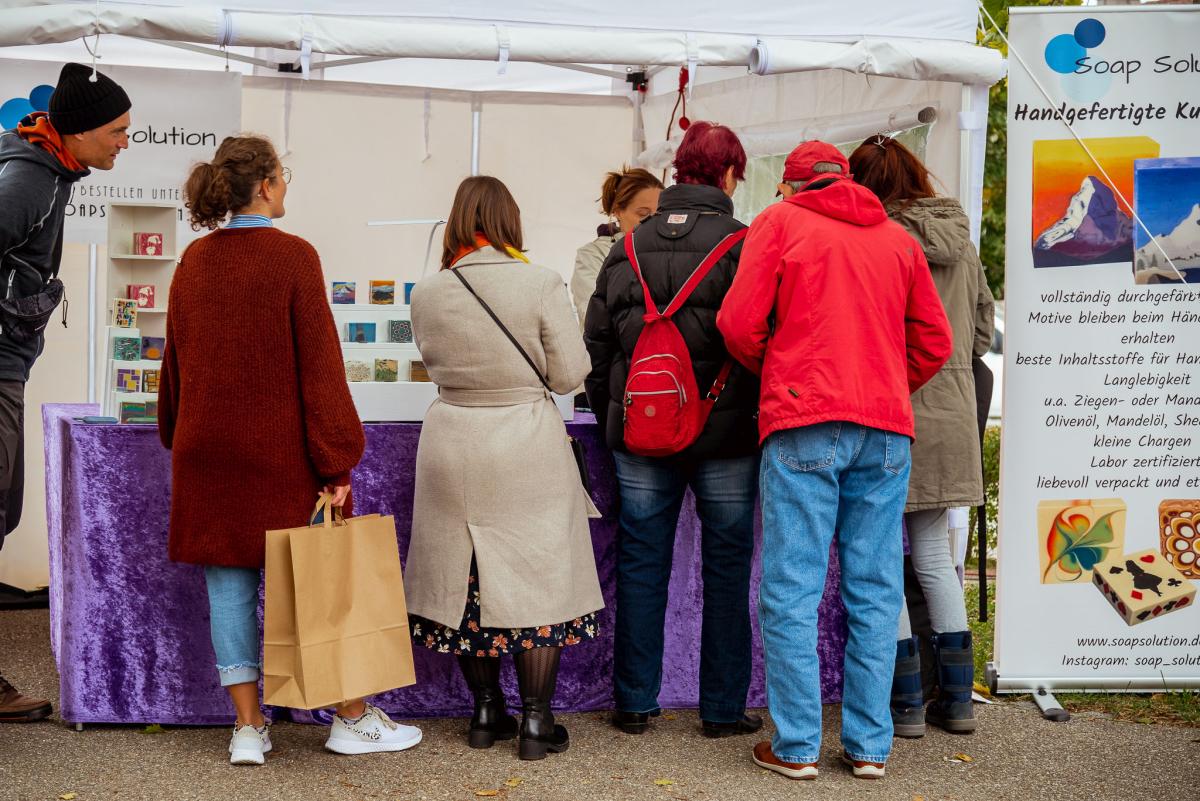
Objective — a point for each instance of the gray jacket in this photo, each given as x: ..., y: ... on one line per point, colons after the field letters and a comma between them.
x: 946, y: 468
x: 35, y: 189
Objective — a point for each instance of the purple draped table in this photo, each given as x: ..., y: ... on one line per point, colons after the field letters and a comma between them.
x: 129, y: 628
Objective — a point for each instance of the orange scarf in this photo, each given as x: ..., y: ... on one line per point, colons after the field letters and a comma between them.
x: 481, y: 242
x: 42, y: 134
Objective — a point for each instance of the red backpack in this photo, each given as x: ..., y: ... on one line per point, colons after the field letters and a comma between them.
x: 662, y: 409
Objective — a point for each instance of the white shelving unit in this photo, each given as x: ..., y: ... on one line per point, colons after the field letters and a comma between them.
x: 125, y: 268
x: 399, y: 401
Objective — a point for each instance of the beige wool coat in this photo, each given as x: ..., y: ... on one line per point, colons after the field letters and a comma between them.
x: 946, y: 469
x: 496, y: 476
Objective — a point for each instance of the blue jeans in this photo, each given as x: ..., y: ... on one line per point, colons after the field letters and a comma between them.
x: 233, y: 606
x: 817, y: 480
x: 652, y: 493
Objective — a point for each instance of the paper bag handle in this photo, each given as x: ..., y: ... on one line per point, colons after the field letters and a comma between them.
x: 324, y: 505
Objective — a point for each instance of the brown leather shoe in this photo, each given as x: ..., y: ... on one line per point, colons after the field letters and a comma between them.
x: 765, y: 758
x: 863, y: 769
x: 17, y: 708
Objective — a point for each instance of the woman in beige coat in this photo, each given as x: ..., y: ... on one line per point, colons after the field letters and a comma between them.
x: 501, y: 555
x: 946, y: 466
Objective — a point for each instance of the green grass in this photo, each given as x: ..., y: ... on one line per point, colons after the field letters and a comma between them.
x: 1178, y: 708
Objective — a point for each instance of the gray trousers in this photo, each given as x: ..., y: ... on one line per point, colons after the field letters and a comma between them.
x: 929, y: 544
x: 12, y: 455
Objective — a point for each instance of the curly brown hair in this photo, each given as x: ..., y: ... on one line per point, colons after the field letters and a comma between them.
x: 227, y: 183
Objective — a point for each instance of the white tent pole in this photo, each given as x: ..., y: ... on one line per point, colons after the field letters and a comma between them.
x: 93, y: 294
x: 476, y: 120
x: 222, y: 54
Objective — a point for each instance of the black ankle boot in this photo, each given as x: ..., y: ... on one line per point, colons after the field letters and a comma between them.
x: 491, y: 721
x: 539, y: 732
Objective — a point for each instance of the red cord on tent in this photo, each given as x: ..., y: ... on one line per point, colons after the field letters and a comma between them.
x: 681, y: 99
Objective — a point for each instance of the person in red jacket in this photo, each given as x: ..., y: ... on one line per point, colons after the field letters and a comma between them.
x: 834, y: 306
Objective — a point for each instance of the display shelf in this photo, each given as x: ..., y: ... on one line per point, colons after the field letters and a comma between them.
x: 154, y: 310
x: 128, y: 257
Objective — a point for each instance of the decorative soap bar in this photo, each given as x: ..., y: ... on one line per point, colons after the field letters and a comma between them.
x: 383, y: 293
x: 153, y: 347
x: 129, y: 380
x: 1073, y: 535
x: 1178, y: 522
x: 1142, y: 586
x: 143, y: 294
x: 126, y: 349
x: 125, y: 313
x: 146, y: 243
x: 358, y: 371
x: 360, y: 332
x: 417, y: 371
x: 400, y: 331
x: 150, y: 380
x: 343, y: 292
x: 387, y: 370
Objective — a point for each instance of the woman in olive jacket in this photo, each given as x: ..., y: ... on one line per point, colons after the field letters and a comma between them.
x: 946, y: 464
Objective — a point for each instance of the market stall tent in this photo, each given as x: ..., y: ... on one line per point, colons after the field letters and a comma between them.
x: 381, y: 108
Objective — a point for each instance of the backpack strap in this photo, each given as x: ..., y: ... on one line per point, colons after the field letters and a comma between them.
x: 689, y: 286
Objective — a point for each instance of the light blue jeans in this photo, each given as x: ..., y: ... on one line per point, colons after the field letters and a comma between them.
x: 233, y: 607
x: 814, y: 481
x: 929, y: 543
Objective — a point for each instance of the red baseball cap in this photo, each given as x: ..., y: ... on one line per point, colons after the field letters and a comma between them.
x: 800, y: 162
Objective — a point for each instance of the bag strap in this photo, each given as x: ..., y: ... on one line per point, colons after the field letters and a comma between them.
x: 693, y: 281
x: 503, y: 328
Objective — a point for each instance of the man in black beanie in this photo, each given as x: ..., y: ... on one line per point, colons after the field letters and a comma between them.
x: 40, y: 161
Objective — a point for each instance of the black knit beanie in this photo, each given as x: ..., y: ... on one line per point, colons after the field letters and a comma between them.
x: 79, y: 104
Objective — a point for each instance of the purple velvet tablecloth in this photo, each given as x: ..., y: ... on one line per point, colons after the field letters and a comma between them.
x: 129, y: 629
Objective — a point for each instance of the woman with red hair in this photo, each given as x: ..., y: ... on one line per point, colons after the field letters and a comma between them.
x: 721, y: 465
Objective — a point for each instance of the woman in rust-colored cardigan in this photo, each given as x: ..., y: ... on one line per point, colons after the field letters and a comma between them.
x: 254, y: 405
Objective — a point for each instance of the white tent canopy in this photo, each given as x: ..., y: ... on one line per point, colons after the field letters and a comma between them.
x: 928, y: 40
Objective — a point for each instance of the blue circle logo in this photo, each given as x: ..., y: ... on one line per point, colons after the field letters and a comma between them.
x: 15, y: 109
x: 1064, y: 51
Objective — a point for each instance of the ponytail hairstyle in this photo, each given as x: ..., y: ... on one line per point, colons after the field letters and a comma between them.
x: 229, y: 182
x: 620, y: 188
x: 890, y: 170
x: 483, y: 205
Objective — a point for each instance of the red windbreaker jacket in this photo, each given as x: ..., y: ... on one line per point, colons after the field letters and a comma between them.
x: 834, y: 306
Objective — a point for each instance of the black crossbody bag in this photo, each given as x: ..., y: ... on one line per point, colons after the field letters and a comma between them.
x: 577, y: 448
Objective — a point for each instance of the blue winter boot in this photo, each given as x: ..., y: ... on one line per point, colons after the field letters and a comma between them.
x: 908, y: 705
x: 952, y: 709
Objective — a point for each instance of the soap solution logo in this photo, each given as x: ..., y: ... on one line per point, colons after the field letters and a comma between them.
x: 1068, y: 55
x: 15, y: 109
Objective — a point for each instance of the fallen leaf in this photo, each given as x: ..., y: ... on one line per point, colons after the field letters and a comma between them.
x: 153, y: 728
x: 664, y: 782
x: 68, y: 796
x: 513, y: 782
x: 918, y: 798
x: 962, y: 758
x: 486, y: 793
x: 669, y: 716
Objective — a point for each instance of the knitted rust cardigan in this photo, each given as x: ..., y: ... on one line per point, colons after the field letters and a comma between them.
x: 253, y: 400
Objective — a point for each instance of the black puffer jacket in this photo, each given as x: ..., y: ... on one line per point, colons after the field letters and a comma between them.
x: 691, y: 220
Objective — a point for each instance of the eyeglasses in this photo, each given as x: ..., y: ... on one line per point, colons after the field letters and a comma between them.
x: 286, y: 174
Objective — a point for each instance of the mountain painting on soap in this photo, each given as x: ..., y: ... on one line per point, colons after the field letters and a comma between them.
x: 1079, y: 217
x: 1166, y: 195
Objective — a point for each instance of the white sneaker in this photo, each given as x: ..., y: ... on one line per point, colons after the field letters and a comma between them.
x: 249, y: 745
x: 371, y: 733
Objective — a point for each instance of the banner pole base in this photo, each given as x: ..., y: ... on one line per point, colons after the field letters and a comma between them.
x: 1050, y: 708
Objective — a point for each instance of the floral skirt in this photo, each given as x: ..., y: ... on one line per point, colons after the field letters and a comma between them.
x: 472, y: 639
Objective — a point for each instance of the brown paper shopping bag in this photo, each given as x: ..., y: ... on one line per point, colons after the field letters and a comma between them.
x: 336, y: 625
